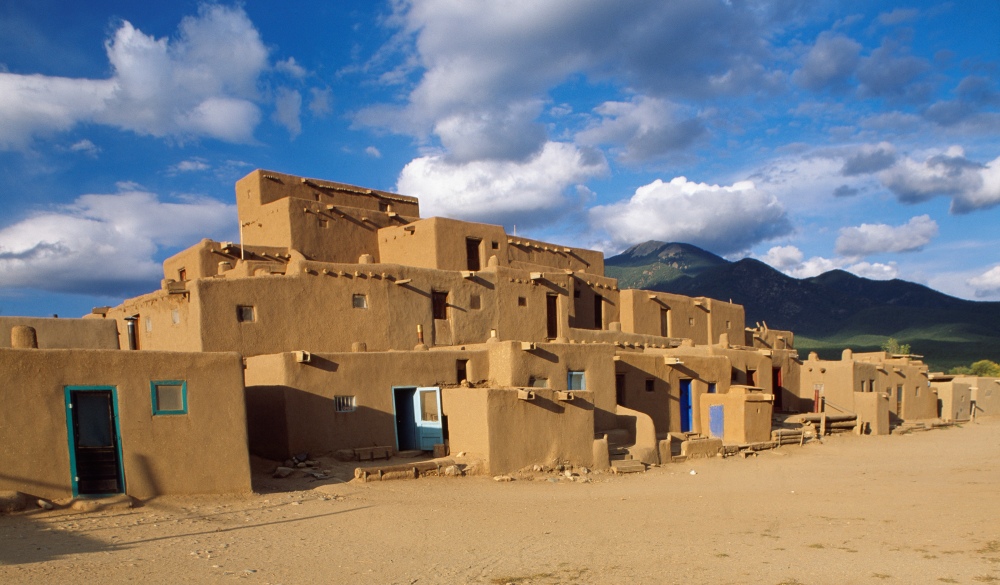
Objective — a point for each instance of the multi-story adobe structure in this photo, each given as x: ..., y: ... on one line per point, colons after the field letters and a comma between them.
x: 362, y: 325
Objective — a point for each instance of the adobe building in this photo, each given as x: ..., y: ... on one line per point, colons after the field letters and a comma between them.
x: 344, y: 321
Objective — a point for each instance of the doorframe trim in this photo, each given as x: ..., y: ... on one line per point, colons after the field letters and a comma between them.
x: 71, y: 436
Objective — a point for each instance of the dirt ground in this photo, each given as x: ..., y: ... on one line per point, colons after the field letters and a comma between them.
x: 917, y: 508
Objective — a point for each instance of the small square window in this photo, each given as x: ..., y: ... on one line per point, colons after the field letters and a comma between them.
x: 691, y: 321
x: 246, y: 314
x: 538, y: 382
x: 475, y: 302
x: 323, y: 223
x: 383, y: 206
x: 495, y: 245
x: 359, y: 301
x: 650, y: 384
x: 576, y: 380
x: 522, y: 302
x: 169, y: 397
x: 344, y: 404
x: 729, y: 324
x: 576, y: 293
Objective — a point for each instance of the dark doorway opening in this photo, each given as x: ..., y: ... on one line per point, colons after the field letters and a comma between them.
x: 406, y: 427
x: 96, y: 450
x: 776, y: 388
x: 551, y: 316
x: 472, y: 253
x: 439, y: 302
x: 620, y: 389
x: 598, y: 312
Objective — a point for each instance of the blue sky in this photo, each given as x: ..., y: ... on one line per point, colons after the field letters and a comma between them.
x: 812, y: 135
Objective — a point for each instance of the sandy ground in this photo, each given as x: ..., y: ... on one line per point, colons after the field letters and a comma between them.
x: 919, y: 508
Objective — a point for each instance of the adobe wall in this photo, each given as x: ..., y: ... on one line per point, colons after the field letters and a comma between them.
x: 512, y: 366
x: 165, y: 321
x: 910, y: 394
x: 203, y: 259
x: 299, y: 397
x: 763, y: 338
x: 985, y: 392
x: 954, y: 399
x: 663, y: 403
x: 872, y: 409
x: 61, y: 333
x: 837, y: 381
x: 746, y: 414
x: 203, y: 451
x: 587, y: 291
x: 323, y: 220
x: 521, y: 432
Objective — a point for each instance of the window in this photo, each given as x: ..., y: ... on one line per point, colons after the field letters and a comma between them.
x: 711, y: 388
x: 734, y: 376
x: 344, y: 404
x: 576, y: 293
x: 169, y: 397
x: 246, y: 314
x: 538, y: 382
x: 495, y: 245
x: 439, y: 302
x: 323, y: 223
x: 650, y: 384
x: 475, y: 302
x: 691, y: 321
x: 576, y: 381
x: 461, y: 370
x: 429, y: 406
x: 598, y: 312
x: 182, y: 274
x: 383, y: 206
x: 729, y: 324
x: 359, y: 301
x: 522, y: 302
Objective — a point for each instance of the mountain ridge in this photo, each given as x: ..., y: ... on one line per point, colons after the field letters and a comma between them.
x: 831, y: 310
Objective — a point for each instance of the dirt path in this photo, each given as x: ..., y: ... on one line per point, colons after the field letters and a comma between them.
x: 920, y: 508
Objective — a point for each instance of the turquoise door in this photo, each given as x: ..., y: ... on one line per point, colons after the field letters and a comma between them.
x: 686, y: 410
x: 95, y: 454
x: 418, y: 418
x: 427, y: 407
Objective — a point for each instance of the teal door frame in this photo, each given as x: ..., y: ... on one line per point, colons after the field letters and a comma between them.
x: 408, y: 412
x: 71, y: 433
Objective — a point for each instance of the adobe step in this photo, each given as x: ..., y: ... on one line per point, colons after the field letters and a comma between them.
x: 627, y: 466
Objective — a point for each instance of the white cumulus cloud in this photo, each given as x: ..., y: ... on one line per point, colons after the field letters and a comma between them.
x: 971, y: 185
x: 646, y: 127
x: 986, y: 284
x: 790, y: 260
x: 105, y: 243
x: 723, y: 219
x: 203, y: 82
x: 504, y: 192
x: 879, y: 238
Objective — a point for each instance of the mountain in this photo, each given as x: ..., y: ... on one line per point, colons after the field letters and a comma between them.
x: 827, y: 312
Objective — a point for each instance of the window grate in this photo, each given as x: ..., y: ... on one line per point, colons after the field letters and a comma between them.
x: 344, y: 403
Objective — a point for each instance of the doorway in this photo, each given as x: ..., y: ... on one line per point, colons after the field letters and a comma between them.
x: 473, y: 262
x: 94, y: 440
x: 686, y: 406
x: 419, y: 424
x: 776, y: 388
x: 551, y: 316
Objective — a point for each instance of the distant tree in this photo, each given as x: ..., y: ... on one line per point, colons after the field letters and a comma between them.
x: 891, y: 346
x: 983, y: 368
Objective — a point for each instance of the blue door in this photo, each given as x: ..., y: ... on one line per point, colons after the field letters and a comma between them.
x: 716, y: 421
x: 427, y: 406
x: 686, y: 406
x: 418, y: 418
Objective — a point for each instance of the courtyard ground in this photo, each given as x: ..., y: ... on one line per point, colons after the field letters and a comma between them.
x: 917, y: 508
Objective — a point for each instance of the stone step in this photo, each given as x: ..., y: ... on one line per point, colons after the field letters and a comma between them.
x: 627, y: 466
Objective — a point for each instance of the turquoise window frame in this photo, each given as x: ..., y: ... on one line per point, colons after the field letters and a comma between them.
x: 582, y: 374
x: 184, y: 397
x: 70, y: 435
